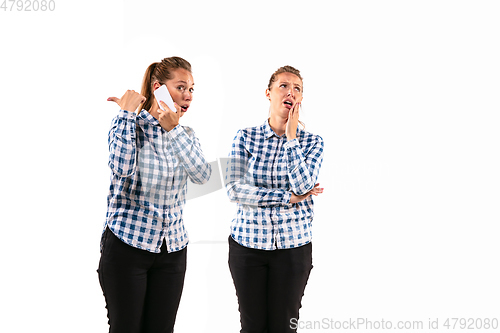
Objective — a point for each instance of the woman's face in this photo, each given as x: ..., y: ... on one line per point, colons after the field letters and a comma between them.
x: 285, y: 92
x: 181, y: 88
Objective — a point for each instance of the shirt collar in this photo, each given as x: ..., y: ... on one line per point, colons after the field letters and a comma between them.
x: 146, y: 116
x: 268, y: 131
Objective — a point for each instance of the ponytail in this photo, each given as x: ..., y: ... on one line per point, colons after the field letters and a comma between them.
x: 147, y: 87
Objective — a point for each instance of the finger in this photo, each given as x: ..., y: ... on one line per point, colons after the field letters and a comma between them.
x: 161, y: 113
x: 139, y: 99
x: 316, y: 190
x: 290, y: 113
x: 178, y: 108
x: 295, y: 109
x: 165, y: 106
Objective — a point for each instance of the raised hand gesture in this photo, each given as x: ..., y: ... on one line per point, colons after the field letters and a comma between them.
x: 130, y: 101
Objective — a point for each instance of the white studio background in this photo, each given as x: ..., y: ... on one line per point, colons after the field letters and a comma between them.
x: 404, y: 93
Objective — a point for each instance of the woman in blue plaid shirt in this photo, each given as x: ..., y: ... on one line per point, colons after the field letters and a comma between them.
x: 272, y: 177
x: 143, y: 246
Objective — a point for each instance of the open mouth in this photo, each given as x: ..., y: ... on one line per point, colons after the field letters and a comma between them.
x: 288, y: 104
x: 184, y: 108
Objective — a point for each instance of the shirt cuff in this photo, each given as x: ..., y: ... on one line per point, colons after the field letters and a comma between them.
x: 176, y: 131
x: 287, y: 197
x: 127, y: 115
x: 291, y: 144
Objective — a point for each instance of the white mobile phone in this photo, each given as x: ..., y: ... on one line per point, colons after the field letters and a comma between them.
x: 162, y: 94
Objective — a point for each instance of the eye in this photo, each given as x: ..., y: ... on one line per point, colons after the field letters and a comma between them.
x: 297, y: 89
x: 181, y: 88
x: 283, y: 85
x: 191, y: 90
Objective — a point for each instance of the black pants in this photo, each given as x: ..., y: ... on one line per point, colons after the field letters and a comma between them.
x: 269, y: 286
x: 142, y: 289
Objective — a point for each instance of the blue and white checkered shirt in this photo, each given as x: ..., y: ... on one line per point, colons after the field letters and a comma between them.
x: 264, y: 169
x: 150, y: 167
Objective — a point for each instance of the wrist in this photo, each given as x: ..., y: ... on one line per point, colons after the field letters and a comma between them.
x: 171, y: 127
x: 124, y: 114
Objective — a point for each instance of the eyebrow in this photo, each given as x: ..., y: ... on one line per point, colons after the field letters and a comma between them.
x: 181, y: 81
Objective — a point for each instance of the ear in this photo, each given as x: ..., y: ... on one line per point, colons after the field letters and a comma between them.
x: 268, y: 94
x: 156, y: 85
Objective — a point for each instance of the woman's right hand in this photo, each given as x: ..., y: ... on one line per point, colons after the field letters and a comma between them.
x: 298, y: 198
x: 130, y: 101
x: 168, y: 119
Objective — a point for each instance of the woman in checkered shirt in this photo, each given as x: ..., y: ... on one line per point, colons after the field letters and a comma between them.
x: 272, y: 178
x: 143, y: 246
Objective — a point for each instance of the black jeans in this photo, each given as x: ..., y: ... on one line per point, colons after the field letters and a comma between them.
x: 142, y: 289
x: 269, y: 286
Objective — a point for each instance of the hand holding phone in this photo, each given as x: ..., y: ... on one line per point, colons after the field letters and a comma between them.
x: 162, y: 94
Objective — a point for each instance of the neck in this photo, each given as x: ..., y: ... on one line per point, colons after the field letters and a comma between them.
x: 277, y: 124
x: 154, y: 110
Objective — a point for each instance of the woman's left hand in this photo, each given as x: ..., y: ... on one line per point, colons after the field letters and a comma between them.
x: 169, y: 119
x: 293, y: 122
x: 315, y: 191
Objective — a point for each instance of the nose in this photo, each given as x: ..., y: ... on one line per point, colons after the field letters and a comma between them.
x: 290, y: 93
x: 188, y: 96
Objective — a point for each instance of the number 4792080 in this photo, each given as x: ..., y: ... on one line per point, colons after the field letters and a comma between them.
x: 28, y: 5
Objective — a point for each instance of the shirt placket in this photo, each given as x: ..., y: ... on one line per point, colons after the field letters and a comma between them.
x: 276, y: 184
x: 170, y: 176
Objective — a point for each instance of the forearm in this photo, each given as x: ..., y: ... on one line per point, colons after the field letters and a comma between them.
x: 303, y: 170
x: 256, y: 196
x: 187, y: 148
x: 122, y: 144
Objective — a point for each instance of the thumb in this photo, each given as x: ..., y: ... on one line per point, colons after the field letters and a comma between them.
x: 113, y: 99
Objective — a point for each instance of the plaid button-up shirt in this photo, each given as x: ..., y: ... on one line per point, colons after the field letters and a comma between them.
x: 264, y: 170
x: 150, y: 168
